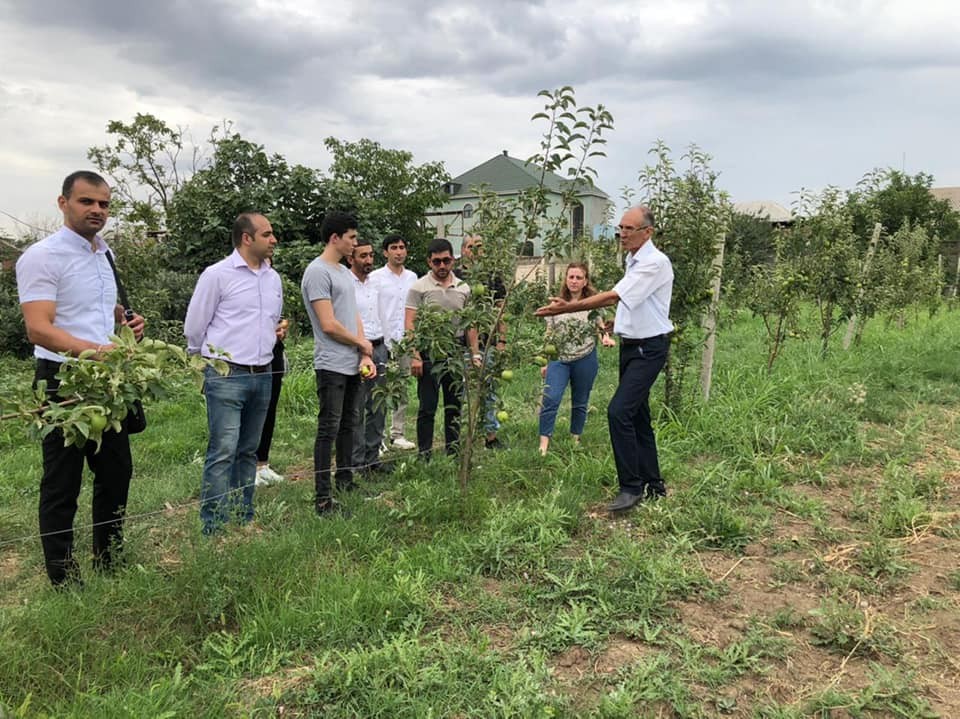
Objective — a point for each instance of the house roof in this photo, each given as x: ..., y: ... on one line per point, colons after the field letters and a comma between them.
x: 503, y: 173
x: 764, y: 210
x: 950, y: 194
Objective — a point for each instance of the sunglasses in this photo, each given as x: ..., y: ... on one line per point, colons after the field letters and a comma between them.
x: 438, y: 261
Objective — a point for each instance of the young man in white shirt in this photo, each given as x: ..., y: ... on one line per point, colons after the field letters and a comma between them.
x: 394, y: 282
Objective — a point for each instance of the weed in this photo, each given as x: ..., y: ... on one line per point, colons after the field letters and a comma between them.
x: 953, y: 580
x: 852, y: 630
x: 881, y: 559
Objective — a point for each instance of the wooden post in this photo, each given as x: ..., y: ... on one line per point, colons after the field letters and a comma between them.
x: 710, y: 320
x: 852, y: 324
x: 940, y: 276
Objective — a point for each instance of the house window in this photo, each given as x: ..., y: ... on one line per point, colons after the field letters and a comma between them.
x: 467, y: 211
x: 576, y: 220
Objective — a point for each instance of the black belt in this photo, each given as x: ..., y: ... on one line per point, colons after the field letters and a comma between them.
x: 631, y: 342
x: 377, y: 342
x: 250, y: 368
x: 42, y: 362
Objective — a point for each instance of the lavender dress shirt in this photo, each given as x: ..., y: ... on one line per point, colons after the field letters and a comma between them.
x: 235, y: 310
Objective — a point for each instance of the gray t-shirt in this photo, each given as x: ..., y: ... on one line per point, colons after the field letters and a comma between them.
x: 323, y: 281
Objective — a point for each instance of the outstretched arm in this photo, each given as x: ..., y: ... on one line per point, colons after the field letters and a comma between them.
x: 558, y: 306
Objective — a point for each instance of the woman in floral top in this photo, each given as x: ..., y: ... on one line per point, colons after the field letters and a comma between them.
x: 577, y: 365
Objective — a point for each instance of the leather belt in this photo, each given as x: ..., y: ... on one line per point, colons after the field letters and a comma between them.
x: 249, y: 368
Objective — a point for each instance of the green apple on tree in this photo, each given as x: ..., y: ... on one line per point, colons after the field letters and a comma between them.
x: 98, y: 421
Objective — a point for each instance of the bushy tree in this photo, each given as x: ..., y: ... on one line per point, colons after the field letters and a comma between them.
x: 774, y: 292
x: 895, y: 199
x: 13, y: 332
x: 571, y: 137
x: 146, y: 167
x: 904, y: 273
x: 390, y: 193
x: 692, y: 216
x: 827, y: 253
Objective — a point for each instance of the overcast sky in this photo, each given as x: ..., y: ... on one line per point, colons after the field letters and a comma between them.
x: 783, y: 95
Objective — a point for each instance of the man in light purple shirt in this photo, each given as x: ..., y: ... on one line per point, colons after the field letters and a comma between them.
x: 234, y: 315
x: 68, y: 296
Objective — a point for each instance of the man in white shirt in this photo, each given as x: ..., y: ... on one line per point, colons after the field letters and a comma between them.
x: 68, y: 296
x: 370, y: 426
x: 642, y: 321
x: 394, y: 282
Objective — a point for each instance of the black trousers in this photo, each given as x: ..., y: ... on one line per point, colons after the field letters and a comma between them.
x: 628, y: 415
x: 339, y: 399
x: 437, y: 376
x: 266, y: 434
x: 112, y: 468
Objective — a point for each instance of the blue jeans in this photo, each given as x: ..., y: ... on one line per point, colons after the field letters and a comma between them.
x: 490, y: 422
x: 236, y: 407
x: 580, y: 374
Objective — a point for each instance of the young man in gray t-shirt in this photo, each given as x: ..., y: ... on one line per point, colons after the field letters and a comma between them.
x: 342, y: 356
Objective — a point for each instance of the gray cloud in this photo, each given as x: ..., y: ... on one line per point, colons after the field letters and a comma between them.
x: 512, y: 46
x: 781, y: 94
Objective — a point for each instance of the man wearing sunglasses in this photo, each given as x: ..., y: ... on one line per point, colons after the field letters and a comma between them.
x: 642, y: 321
x: 440, y: 287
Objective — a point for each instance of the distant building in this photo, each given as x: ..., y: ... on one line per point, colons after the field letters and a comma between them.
x: 508, y: 176
x: 772, y: 212
x: 950, y: 194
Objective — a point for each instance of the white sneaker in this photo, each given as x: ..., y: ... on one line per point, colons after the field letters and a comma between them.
x: 402, y: 443
x: 266, y: 476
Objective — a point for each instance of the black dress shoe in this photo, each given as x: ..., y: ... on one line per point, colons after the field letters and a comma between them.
x: 655, y: 490
x: 623, y: 502
x: 329, y: 507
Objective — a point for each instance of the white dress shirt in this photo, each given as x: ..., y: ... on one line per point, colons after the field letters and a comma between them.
x: 644, y: 291
x: 62, y: 268
x: 393, y: 290
x: 368, y: 305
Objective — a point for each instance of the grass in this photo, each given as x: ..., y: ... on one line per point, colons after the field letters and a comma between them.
x: 806, y: 547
